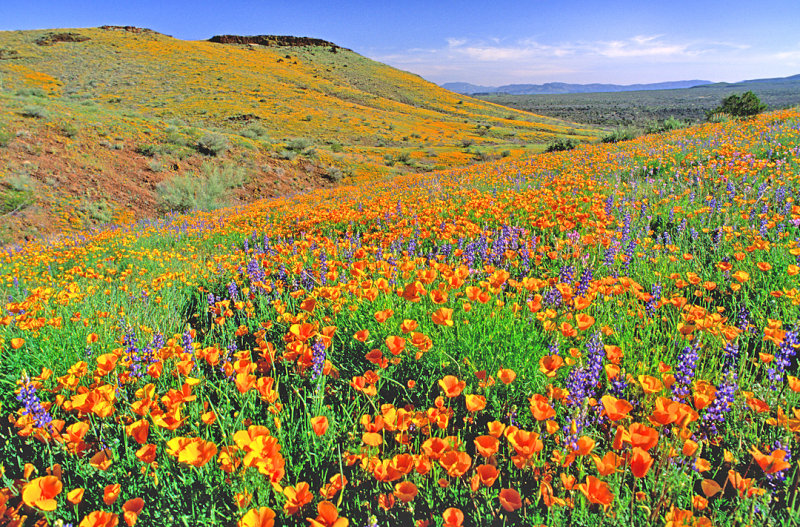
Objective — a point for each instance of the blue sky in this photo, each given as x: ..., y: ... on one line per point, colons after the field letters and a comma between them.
x: 486, y: 42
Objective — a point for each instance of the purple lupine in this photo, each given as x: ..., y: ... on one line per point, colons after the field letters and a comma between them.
x: 655, y: 298
x: 317, y: 359
x: 783, y: 359
x: 685, y: 370
x: 585, y: 281
x: 32, y: 405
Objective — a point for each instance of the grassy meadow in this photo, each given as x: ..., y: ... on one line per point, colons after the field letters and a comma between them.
x: 605, y: 336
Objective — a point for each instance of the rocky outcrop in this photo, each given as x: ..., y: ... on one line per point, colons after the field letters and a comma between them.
x: 273, y: 41
x: 51, y: 38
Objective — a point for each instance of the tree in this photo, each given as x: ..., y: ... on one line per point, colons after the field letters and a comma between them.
x: 744, y: 105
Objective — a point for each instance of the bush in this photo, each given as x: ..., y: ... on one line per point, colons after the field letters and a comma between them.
x: 620, y: 134
x: 36, y: 112
x: 69, y: 130
x: 205, y: 191
x: 5, y: 137
x: 212, y: 144
x: 17, y: 194
x: 561, y: 144
x: 666, y: 125
x: 744, y: 105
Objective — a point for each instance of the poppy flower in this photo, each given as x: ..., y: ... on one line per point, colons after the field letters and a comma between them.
x: 650, y: 384
x: 487, y: 474
x: 319, y: 424
x: 453, y: 517
x: 615, y: 409
x: 608, y: 464
x: 100, y: 519
x: 297, y: 497
x: 643, y: 436
x: 540, y: 408
x: 146, y: 454
x: 131, y: 510
x: 17, y: 343
x: 191, y: 451
x: 506, y: 375
x: 362, y: 335
x: 486, y: 446
x: 75, y: 496
x: 770, y: 463
x: 596, y: 491
x: 405, y: 491
x: 41, y: 492
x: 640, y: 462
x: 111, y: 493
x: 443, y: 317
x: 710, y: 487
x: 452, y: 386
x: 549, y: 365
x: 475, y: 403
x: 584, y: 321
x: 495, y: 428
x: 262, y: 517
x: 328, y: 516
x: 395, y: 344
x: 510, y: 500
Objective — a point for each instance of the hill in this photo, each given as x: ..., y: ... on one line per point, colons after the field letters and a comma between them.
x: 642, y: 108
x: 96, y: 122
x: 551, y: 88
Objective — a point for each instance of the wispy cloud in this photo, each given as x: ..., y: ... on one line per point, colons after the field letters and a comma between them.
x: 635, y: 58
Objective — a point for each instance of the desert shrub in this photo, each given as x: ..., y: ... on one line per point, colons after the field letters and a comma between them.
x: 17, y: 193
x: 148, y: 150
x: 334, y: 174
x: 69, y: 130
x: 207, y: 190
x: 212, y: 144
x: 505, y: 153
x: 254, y: 131
x: 97, y: 210
x: 667, y: 125
x: 621, y: 133
x: 5, y: 137
x: 30, y: 92
x: 744, y: 105
x: 36, y: 112
x: 561, y: 144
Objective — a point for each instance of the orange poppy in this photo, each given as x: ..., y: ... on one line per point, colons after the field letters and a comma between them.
x: 395, y: 344
x: 549, y: 365
x: 475, y: 403
x: 191, y: 451
x: 453, y: 517
x: 443, y: 317
x: 596, y: 491
x: 540, y: 408
x: 607, y: 464
x: 510, y: 500
x: 487, y: 474
x: 319, y: 424
x: 297, y: 497
x: 41, y: 492
x: 486, y: 446
x: 452, y: 386
x: 615, y: 409
x: 770, y: 463
x: 328, y: 516
x: 111, y: 493
x: 506, y: 376
x: 650, y: 384
x: 75, y: 496
x: 100, y: 519
x: 146, y: 454
x: 640, y: 462
x: 262, y: 517
x: 362, y: 335
x: 405, y: 491
x: 17, y: 343
x: 584, y: 321
x: 131, y: 510
x: 643, y: 436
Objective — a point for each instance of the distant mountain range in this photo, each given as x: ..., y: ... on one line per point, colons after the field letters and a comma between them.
x: 551, y: 88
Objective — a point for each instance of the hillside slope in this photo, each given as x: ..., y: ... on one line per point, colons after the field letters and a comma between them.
x: 119, y: 110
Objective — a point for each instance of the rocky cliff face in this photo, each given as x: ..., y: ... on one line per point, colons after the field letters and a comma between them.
x: 272, y: 40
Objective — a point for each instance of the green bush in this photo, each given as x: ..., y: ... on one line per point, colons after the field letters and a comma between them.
x: 621, y: 133
x: 69, y: 130
x: 17, y: 193
x: 744, y: 105
x: 212, y: 144
x: 207, y: 190
x: 667, y: 125
x: 5, y: 137
x: 36, y: 112
x: 561, y: 144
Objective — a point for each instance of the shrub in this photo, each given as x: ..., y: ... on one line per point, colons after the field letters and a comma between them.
x: 69, y: 130
x: 744, y: 105
x: 207, y: 190
x: 212, y: 144
x: 254, y: 132
x: 620, y: 134
x: 561, y: 144
x: 5, y: 137
x: 334, y: 174
x: 36, y: 112
x: 17, y: 194
x: 667, y: 125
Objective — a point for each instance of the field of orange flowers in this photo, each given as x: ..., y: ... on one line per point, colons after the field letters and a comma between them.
x: 605, y: 336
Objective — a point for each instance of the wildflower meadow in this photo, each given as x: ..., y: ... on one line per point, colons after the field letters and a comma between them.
x: 601, y: 336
